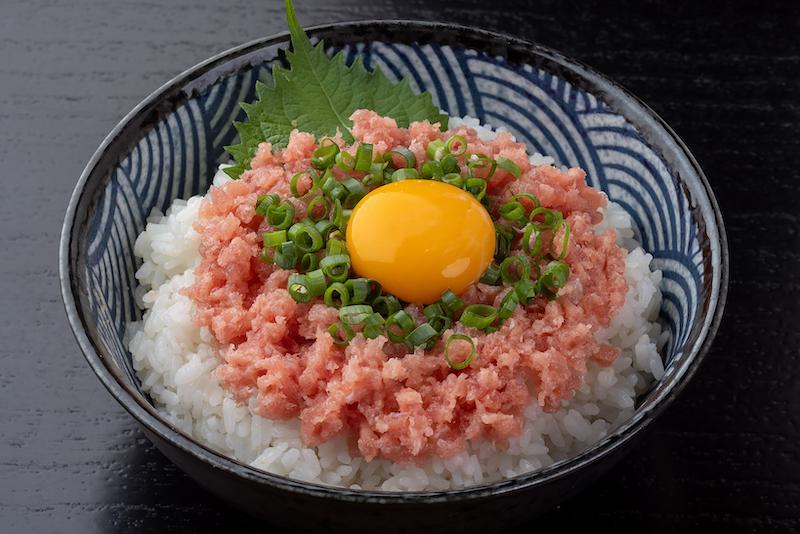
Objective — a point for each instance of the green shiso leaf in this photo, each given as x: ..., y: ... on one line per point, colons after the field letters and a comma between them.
x: 317, y: 94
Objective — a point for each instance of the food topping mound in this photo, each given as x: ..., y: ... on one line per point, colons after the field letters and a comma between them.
x: 405, y: 380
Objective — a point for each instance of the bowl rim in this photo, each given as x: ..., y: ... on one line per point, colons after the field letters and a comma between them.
x: 192, y: 78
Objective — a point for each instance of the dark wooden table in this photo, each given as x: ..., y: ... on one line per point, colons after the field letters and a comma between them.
x: 724, y: 458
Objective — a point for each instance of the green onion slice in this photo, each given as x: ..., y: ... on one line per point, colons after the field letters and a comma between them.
x: 298, y: 287
x: 325, y: 155
x: 509, y: 166
x: 318, y: 208
x: 336, y: 267
x: 463, y: 364
x: 386, y: 305
x: 451, y: 303
x: 564, y: 241
x: 435, y: 149
x: 306, y: 237
x: 341, y: 333
x: 481, y: 166
x: 335, y: 246
x: 375, y: 176
x: 456, y: 145
x: 308, y: 186
x: 449, y: 164
x: 432, y: 169
x: 354, y: 313
x: 476, y: 187
x: 373, y: 326
x: 408, y: 158
x: 405, y: 174
x: 478, y: 316
x: 286, y: 255
x: 554, y: 276
x: 492, y: 275
x: 525, y: 290
x: 264, y: 202
x: 345, y: 161
x: 363, y: 157
x: 532, y: 231
x: 273, y: 239
x: 280, y: 216
x: 453, y: 178
x: 309, y: 262
x: 514, y: 269
x: 336, y: 295
x: 421, y: 335
x: 508, y: 305
x: 316, y: 282
x: 398, y: 326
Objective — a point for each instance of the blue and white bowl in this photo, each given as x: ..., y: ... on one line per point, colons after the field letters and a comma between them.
x: 169, y: 146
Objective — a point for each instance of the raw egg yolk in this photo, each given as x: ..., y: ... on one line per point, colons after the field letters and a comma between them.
x: 419, y: 238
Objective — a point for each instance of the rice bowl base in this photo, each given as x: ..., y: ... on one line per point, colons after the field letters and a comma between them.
x: 175, y: 361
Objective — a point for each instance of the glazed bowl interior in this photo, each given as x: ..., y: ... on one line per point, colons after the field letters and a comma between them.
x: 171, y: 144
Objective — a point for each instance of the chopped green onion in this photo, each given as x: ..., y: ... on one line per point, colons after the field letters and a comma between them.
x: 332, y: 188
x: 514, y: 269
x: 345, y: 161
x: 324, y: 156
x: 335, y: 247
x: 432, y: 310
x: 398, y: 326
x: 298, y: 287
x: 504, y: 235
x: 306, y: 237
x: 451, y: 303
x: 405, y: 174
x: 478, y: 316
x: 481, y: 166
x: 341, y: 333
x: 286, y: 255
x: 312, y: 211
x: 280, y: 216
x: 408, y: 157
x: 358, y: 289
x: 273, y: 239
x: 463, y: 364
x: 373, y: 326
x: 363, y: 157
x: 421, y: 335
x: 453, y: 178
x: 456, y: 145
x: 355, y: 192
x: 532, y: 231
x: 449, y: 164
x: 336, y: 267
x: 525, y: 290
x: 492, y: 275
x: 294, y: 184
x: 529, y: 197
x: 440, y: 323
x: 550, y: 218
x: 308, y: 262
x: 553, y: 277
x: 432, y: 169
x: 386, y: 305
x: 513, y: 211
x: 354, y: 313
x: 375, y: 176
x: 264, y: 202
x: 435, y: 149
x: 336, y: 295
x: 508, y: 305
x: 476, y: 187
x: 316, y: 282
x: 509, y: 166
x: 325, y: 228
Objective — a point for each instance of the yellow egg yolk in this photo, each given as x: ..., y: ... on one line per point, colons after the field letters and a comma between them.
x: 419, y: 238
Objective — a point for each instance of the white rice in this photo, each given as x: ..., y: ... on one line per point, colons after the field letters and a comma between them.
x: 175, y: 360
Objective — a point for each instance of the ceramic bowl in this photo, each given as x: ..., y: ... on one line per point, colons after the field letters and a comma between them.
x: 169, y: 146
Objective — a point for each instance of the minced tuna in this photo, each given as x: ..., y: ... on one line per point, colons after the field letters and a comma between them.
x: 393, y: 403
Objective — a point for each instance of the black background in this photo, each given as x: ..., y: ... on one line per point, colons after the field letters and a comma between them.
x: 726, y: 76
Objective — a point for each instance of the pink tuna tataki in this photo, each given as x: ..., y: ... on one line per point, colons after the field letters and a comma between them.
x: 390, y: 402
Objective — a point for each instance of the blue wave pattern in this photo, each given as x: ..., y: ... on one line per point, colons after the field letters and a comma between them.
x: 178, y: 157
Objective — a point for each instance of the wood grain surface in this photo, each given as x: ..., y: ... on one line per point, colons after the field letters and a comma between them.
x: 726, y: 76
